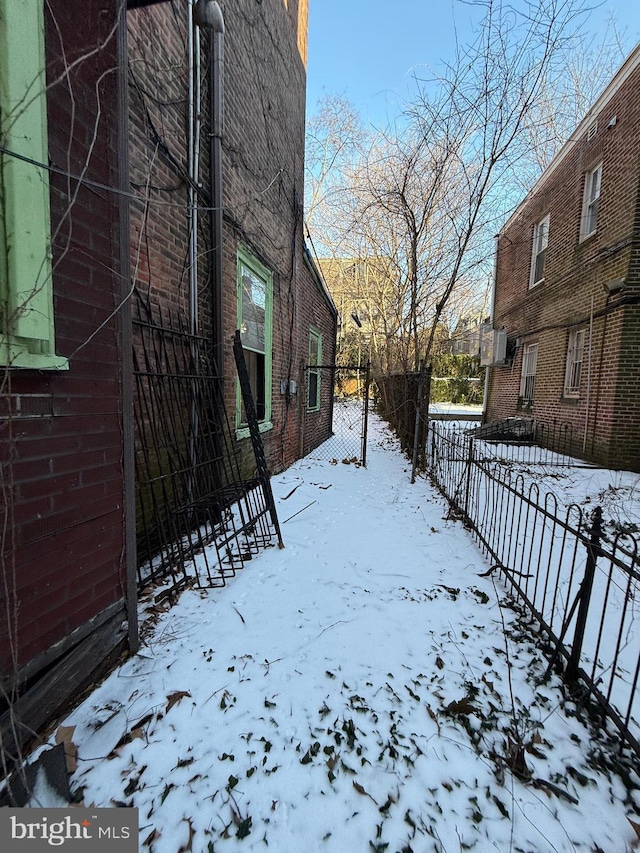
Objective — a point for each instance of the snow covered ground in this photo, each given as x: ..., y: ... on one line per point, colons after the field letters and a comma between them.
x: 364, y: 689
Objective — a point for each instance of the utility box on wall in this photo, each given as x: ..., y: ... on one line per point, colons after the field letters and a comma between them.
x: 493, y: 346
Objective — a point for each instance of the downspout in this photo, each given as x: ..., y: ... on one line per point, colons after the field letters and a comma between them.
x: 207, y: 14
x: 491, y: 319
x: 126, y: 338
x: 194, y: 166
x: 193, y: 142
x: 588, y: 397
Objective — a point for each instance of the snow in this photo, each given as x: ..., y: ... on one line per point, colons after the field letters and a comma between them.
x: 362, y: 689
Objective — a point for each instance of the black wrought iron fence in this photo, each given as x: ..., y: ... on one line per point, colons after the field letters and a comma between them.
x: 580, y: 582
x: 529, y: 441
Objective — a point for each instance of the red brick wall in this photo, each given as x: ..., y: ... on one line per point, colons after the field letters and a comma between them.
x: 263, y: 184
x: 572, y: 294
x: 61, y: 433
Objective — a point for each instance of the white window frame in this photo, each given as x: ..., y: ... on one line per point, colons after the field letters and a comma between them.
x: 27, y: 337
x: 249, y: 264
x: 539, y: 251
x: 528, y: 374
x: 591, y: 202
x: 575, y: 358
x: 315, y: 360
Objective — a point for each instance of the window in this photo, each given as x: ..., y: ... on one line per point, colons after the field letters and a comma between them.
x: 315, y: 359
x: 539, y: 253
x: 592, y: 183
x: 255, y: 297
x: 26, y: 297
x: 573, y: 371
x: 528, y: 378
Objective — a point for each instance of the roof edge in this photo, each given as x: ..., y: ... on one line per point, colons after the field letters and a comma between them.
x: 630, y: 64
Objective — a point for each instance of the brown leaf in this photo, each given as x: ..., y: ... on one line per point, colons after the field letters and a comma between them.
x: 174, y: 698
x: 154, y: 835
x: 463, y: 706
x: 439, y: 662
x: 635, y: 826
x: 187, y: 847
x: 64, y: 734
x: 362, y: 791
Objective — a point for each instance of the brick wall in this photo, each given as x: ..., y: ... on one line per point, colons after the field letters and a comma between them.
x: 572, y: 294
x: 263, y: 185
x: 61, y: 433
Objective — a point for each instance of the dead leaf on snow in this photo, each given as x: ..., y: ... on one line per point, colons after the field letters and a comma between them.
x: 635, y: 826
x: 362, y: 791
x: 462, y: 706
x: 64, y: 735
x: 174, y: 698
x: 188, y: 846
x: 153, y: 836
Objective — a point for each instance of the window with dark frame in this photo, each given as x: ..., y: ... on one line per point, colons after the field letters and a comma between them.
x: 573, y: 370
x: 539, y: 252
x: 591, y: 202
x: 528, y: 376
x: 255, y: 285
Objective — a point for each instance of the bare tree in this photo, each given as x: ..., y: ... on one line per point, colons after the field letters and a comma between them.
x: 424, y: 201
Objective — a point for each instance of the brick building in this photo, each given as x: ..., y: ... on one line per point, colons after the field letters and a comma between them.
x: 154, y: 184
x: 217, y: 156
x: 66, y: 558
x: 567, y: 287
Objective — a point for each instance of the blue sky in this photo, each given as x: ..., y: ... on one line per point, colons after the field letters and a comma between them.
x: 368, y: 50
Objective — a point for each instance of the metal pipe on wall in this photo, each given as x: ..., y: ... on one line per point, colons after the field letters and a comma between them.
x: 207, y: 14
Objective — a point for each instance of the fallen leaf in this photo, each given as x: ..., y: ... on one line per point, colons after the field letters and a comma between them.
x: 174, y: 698
x: 635, y: 826
x: 463, y: 706
x: 64, y: 735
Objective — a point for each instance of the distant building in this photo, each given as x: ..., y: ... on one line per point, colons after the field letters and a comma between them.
x: 566, y: 318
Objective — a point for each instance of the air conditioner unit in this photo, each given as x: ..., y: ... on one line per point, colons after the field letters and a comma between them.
x: 493, y: 347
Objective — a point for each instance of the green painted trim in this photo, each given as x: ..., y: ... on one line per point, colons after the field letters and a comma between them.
x: 26, y: 293
x: 245, y: 258
x: 243, y: 432
x: 317, y: 334
x: 15, y: 355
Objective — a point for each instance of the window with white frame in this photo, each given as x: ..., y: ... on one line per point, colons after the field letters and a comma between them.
x: 255, y: 317
x: 26, y: 292
x: 591, y: 202
x: 539, y: 252
x: 315, y: 359
x: 575, y: 354
x: 528, y: 377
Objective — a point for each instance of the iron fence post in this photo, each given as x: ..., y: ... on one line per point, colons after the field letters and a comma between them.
x: 593, y: 549
x: 416, y: 426
x: 365, y: 427
x: 467, y: 485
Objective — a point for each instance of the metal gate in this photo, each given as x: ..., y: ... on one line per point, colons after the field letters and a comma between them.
x: 342, y: 395
x: 196, y: 515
